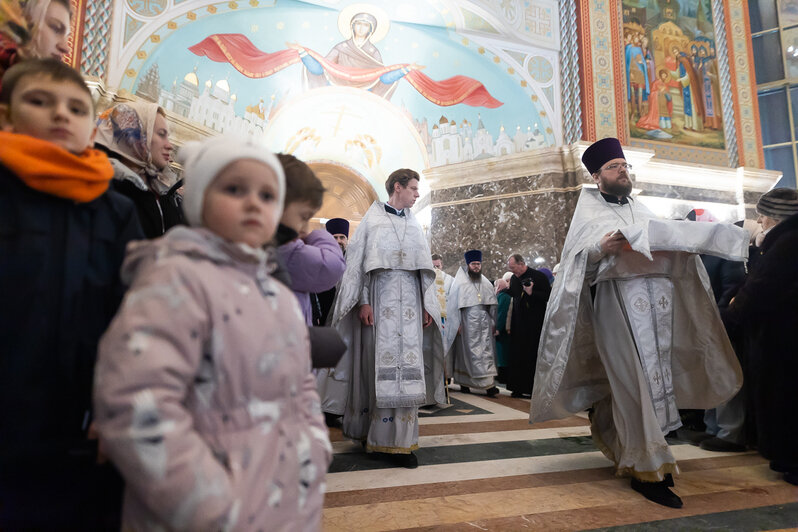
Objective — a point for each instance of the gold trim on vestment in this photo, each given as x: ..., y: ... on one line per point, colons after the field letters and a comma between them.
x: 643, y: 476
x: 649, y: 476
x: 391, y: 450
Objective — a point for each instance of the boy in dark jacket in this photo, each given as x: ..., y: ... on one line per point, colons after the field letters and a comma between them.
x: 62, y: 240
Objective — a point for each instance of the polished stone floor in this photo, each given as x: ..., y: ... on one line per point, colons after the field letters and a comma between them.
x: 483, y: 467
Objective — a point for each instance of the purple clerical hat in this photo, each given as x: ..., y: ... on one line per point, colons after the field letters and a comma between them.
x: 473, y: 255
x: 600, y: 152
x: 337, y: 226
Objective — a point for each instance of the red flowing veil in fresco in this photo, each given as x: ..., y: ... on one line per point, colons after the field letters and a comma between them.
x: 237, y: 50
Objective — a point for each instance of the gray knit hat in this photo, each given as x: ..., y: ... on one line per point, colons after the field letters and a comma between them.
x: 779, y: 203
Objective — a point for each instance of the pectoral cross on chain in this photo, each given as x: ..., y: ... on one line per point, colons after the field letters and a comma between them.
x: 400, y: 255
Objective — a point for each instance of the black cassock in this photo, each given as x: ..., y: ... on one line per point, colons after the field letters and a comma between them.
x: 321, y: 304
x: 526, y: 325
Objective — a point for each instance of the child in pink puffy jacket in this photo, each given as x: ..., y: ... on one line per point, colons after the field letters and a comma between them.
x: 204, y: 396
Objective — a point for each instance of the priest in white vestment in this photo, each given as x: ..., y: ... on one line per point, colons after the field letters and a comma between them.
x: 469, y: 336
x: 385, y: 307
x: 631, y: 328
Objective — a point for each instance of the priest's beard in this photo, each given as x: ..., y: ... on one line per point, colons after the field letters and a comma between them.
x: 474, y: 275
x: 615, y: 188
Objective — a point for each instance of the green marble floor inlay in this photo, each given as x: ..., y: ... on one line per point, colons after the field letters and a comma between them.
x: 476, y: 452
x: 753, y: 519
x: 458, y: 408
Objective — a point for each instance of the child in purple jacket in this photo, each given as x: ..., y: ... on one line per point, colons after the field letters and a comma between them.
x: 313, y: 259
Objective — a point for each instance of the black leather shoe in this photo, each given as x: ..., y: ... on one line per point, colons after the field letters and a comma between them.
x: 692, y: 436
x: 410, y: 461
x: 465, y: 389
x: 492, y: 391
x: 668, y: 480
x: 657, y: 492
x: 332, y: 421
x: 778, y: 467
x: 516, y: 394
x: 721, y: 446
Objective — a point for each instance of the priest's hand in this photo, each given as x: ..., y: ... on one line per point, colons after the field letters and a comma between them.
x: 366, y: 315
x: 612, y: 243
x: 427, y: 319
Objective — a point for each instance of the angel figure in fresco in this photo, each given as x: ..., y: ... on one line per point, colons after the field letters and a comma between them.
x: 304, y: 139
x: 354, y: 62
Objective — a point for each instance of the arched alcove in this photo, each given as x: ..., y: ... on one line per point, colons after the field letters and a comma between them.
x: 348, y: 195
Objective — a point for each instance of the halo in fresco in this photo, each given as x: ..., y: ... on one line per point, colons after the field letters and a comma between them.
x: 345, y: 21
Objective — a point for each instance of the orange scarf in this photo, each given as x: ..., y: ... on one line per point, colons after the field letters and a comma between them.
x: 49, y: 168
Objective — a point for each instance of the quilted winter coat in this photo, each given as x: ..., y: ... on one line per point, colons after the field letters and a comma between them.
x: 205, y: 400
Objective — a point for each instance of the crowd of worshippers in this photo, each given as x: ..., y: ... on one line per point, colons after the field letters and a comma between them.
x: 159, y: 337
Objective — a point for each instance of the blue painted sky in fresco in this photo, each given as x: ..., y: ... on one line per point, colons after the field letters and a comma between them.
x: 317, y: 28
x: 410, y: 11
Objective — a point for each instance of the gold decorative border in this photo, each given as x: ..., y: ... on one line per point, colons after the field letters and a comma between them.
x: 741, y: 66
x: 75, y: 41
x: 603, y: 92
x: 603, y: 23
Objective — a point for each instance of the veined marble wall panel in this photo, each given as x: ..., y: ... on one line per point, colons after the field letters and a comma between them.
x: 515, y: 204
x: 533, y: 225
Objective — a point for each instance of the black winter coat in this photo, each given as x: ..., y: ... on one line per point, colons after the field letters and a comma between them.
x: 526, y: 325
x: 725, y: 276
x: 765, y: 310
x: 60, y: 286
x: 156, y: 214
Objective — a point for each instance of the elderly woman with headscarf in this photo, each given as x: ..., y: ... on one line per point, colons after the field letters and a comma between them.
x: 766, y: 313
x: 37, y: 28
x: 136, y: 137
